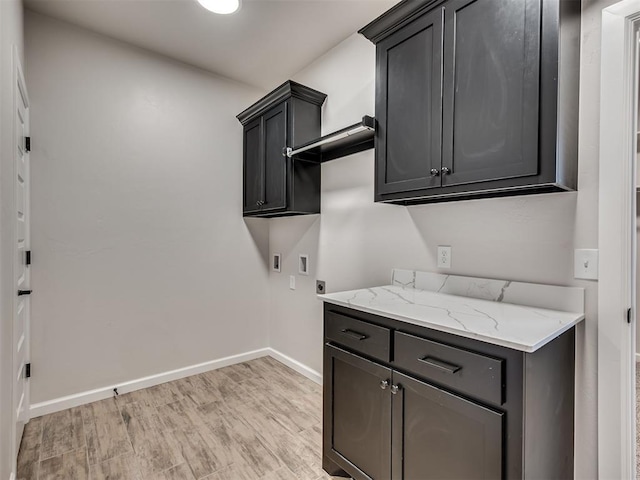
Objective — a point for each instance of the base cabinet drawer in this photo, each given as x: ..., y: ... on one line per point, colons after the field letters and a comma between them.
x: 469, y: 373
x: 363, y: 337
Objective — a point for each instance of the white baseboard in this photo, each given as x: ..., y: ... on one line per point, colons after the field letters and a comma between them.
x: 62, y: 403
x: 70, y: 401
x: 296, y: 365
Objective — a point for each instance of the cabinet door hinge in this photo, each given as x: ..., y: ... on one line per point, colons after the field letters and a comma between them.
x: 27, y: 144
x: 27, y: 370
x: 628, y: 315
x: 27, y: 257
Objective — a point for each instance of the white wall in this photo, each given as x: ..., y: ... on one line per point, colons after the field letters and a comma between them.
x: 355, y: 243
x: 142, y: 260
x: 11, y: 34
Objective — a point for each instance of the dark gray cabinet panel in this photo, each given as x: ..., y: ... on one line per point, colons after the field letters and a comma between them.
x: 360, y: 415
x: 253, y: 165
x: 409, y: 106
x: 492, y: 70
x: 481, y: 103
x: 275, y: 165
x: 441, y: 436
x: 275, y: 185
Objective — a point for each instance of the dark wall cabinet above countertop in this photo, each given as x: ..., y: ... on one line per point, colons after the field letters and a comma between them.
x: 472, y: 99
x: 274, y: 184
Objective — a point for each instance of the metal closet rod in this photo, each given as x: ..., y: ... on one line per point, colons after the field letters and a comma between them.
x: 367, y: 123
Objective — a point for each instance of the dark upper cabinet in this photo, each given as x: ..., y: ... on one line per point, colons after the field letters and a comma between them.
x: 275, y: 165
x: 472, y: 101
x: 273, y: 184
x: 491, y: 90
x: 409, y: 106
x: 253, y: 166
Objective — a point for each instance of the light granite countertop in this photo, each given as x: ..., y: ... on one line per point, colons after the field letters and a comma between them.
x: 520, y: 327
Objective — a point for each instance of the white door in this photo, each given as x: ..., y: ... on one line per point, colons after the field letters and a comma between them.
x: 21, y: 269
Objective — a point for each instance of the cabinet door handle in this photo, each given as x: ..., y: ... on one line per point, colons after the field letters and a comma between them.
x: 384, y: 384
x: 353, y: 334
x: 24, y: 292
x: 395, y: 389
x: 445, y: 170
x: 434, y: 172
x: 440, y: 365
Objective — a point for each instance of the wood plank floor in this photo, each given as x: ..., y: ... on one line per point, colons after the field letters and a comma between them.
x: 255, y: 420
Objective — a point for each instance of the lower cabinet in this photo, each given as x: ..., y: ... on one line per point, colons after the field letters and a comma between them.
x: 440, y: 436
x: 406, y: 402
x: 361, y: 415
x: 436, y: 435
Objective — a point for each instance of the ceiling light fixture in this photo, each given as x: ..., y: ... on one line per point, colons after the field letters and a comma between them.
x: 223, y: 7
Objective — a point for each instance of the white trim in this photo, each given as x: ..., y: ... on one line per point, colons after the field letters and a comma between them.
x: 617, y: 243
x: 296, y: 365
x: 637, y: 357
x: 62, y: 403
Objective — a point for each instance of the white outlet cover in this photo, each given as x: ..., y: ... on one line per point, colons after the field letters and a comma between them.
x: 292, y: 282
x: 444, y: 256
x: 585, y: 264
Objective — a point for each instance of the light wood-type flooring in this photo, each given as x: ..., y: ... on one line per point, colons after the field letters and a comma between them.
x: 255, y: 420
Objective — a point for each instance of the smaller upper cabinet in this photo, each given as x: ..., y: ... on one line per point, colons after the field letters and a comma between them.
x: 472, y: 100
x: 275, y: 185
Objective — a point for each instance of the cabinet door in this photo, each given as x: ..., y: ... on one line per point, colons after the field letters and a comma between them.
x: 253, y: 166
x: 275, y: 163
x: 358, y: 413
x: 409, y: 107
x: 440, y: 436
x: 491, y: 83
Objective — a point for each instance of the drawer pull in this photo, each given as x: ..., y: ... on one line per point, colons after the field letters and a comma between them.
x: 353, y: 334
x: 384, y: 384
x: 440, y: 365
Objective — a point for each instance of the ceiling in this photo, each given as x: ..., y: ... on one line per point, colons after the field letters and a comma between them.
x: 262, y: 45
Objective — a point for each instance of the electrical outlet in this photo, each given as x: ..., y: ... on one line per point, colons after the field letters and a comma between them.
x: 292, y: 282
x: 444, y: 256
x: 277, y: 260
x: 320, y: 287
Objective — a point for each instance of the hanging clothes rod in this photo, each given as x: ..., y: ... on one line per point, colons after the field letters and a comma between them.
x: 366, y: 125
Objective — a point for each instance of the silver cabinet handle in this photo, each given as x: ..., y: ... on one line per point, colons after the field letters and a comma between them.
x: 395, y: 389
x: 445, y: 170
x: 384, y: 384
x: 434, y: 172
